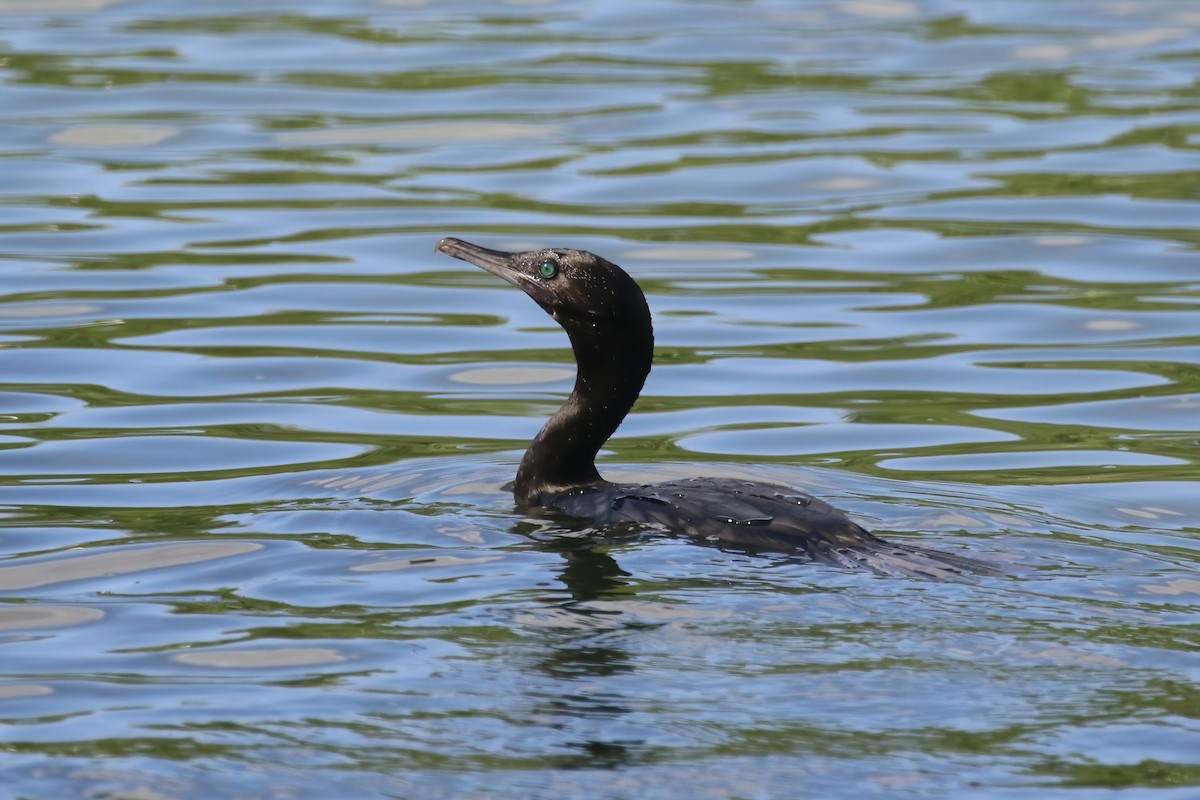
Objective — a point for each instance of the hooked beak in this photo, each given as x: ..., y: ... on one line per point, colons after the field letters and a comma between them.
x: 499, y: 263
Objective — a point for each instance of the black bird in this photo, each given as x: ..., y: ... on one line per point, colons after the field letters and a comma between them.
x: 606, y: 317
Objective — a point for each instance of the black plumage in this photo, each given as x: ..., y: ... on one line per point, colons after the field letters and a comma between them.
x: 608, y: 322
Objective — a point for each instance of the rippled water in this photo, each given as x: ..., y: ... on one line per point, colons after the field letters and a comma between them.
x: 935, y: 260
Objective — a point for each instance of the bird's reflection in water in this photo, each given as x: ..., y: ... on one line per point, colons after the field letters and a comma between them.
x: 586, y: 651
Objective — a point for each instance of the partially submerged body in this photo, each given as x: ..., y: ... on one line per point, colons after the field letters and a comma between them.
x: 606, y: 317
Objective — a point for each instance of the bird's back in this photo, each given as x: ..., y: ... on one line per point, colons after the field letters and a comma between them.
x: 760, y: 517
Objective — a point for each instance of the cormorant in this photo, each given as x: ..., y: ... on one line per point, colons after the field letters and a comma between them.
x: 607, y: 319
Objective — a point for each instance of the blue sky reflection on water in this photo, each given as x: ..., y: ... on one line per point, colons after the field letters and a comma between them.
x: 934, y: 261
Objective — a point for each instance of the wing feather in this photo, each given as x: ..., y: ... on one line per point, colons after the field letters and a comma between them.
x: 757, y: 516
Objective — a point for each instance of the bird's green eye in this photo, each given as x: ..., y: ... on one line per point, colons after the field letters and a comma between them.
x: 548, y: 269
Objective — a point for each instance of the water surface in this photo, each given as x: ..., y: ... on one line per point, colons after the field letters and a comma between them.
x: 930, y: 259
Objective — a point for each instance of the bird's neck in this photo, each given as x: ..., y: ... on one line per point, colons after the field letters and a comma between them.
x: 613, y: 363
